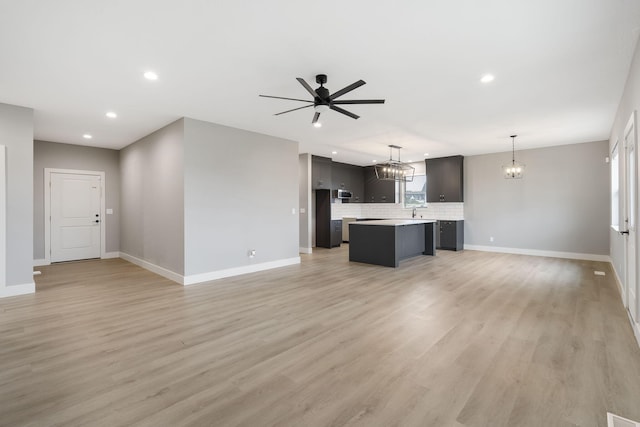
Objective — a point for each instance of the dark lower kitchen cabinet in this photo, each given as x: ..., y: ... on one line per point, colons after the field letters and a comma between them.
x: 328, y: 232
x: 320, y: 173
x: 376, y: 190
x: 450, y: 235
x: 336, y: 232
x: 444, y: 179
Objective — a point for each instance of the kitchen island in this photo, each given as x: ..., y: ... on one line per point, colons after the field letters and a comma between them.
x: 388, y: 241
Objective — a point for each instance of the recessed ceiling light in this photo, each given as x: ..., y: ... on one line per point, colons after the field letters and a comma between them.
x: 87, y: 136
x: 317, y: 124
x: 374, y: 161
x: 111, y: 115
x: 487, y: 78
x: 334, y: 152
x: 410, y: 161
x: 426, y: 154
x: 150, y: 75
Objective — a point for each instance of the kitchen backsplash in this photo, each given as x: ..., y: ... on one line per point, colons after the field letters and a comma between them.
x: 450, y: 211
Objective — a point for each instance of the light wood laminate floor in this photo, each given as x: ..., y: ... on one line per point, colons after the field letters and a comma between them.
x: 461, y: 339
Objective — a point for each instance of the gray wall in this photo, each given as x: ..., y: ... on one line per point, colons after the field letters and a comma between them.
x: 561, y: 204
x: 304, y: 201
x: 152, y: 198
x: 629, y: 103
x: 66, y: 156
x: 240, y: 189
x: 16, y: 133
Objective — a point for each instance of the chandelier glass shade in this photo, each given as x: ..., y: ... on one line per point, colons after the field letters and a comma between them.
x: 513, y: 170
x: 394, y: 169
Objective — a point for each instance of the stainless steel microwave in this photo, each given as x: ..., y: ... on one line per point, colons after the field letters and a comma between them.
x: 341, y: 194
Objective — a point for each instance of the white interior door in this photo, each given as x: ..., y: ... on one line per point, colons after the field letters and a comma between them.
x: 75, y: 216
x: 631, y: 212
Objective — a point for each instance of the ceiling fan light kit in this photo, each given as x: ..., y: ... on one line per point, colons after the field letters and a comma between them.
x: 323, y: 100
x: 513, y: 170
x: 394, y: 169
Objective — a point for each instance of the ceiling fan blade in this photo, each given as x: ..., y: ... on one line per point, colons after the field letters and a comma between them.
x: 307, y: 87
x: 360, y: 101
x: 347, y: 89
x: 343, y: 111
x: 316, y: 116
x: 280, y: 97
x: 294, y: 109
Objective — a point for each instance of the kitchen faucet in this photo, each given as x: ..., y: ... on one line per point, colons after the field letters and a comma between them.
x: 413, y: 213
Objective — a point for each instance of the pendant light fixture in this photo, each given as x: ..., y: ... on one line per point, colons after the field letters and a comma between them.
x: 513, y: 170
x: 394, y: 170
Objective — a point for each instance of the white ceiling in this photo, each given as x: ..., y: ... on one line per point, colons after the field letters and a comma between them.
x: 560, y: 67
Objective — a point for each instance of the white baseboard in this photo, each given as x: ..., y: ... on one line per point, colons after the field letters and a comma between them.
x: 536, y: 252
x: 40, y: 262
x: 617, y: 279
x: 306, y: 250
x: 152, y: 267
x: 636, y: 331
x: 12, y: 291
x: 209, y: 276
x: 110, y: 255
x: 236, y: 271
x: 635, y: 326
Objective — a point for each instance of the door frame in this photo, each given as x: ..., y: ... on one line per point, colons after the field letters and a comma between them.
x: 3, y: 217
x: 47, y: 208
x: 631, y: 127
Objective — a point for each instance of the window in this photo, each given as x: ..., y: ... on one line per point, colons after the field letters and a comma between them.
x: 615, y: 188
x: 415, y: 192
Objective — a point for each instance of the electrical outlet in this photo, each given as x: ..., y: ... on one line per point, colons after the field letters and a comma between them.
x: 252, y: 253
x: 491, y: 239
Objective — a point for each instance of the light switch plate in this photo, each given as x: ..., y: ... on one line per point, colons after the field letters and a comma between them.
x: 109, y: 211
x: 302, y: 210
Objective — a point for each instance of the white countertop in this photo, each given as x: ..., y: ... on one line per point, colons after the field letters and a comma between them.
x: 394, y: 222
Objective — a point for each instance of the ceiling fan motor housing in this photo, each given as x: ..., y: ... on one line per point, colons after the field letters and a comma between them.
x: 323, y: 95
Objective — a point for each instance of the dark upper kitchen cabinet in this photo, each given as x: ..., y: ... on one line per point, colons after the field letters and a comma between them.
x: 376, y: 190
x: 341, y: 176
x: 450, y: 235
x: 357, y: 184
x: 348, y: 177
x: 321, y: 173
x: 444, y: 179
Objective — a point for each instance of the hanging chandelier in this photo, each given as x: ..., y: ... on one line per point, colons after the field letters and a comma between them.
x: 513, y: 170
x: 394, y: 170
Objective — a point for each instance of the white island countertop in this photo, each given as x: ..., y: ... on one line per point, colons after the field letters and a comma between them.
x: 394, y: 222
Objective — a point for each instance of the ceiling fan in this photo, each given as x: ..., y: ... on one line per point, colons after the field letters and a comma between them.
x: 323, y: 100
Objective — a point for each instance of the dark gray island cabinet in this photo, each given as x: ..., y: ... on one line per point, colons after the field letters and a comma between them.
x: 388, y: 241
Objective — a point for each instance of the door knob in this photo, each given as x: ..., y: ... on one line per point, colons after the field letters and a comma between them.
x: 97, y: 220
